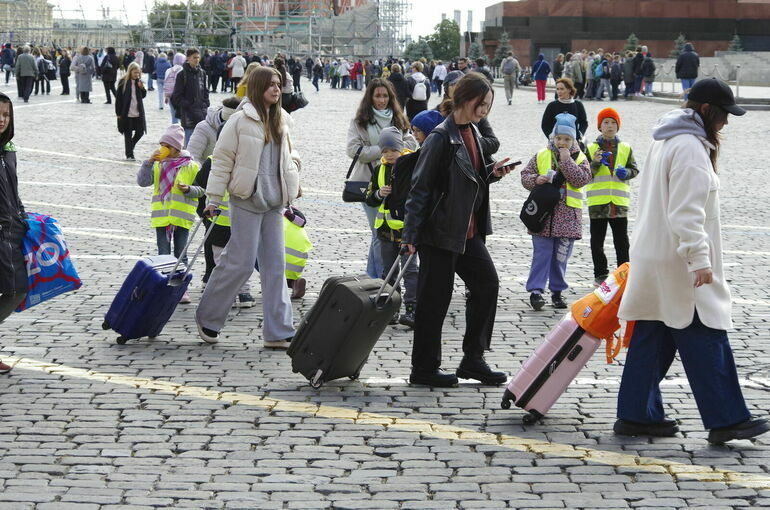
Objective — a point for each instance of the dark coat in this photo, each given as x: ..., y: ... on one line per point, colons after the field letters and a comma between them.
x: 123, y: 101
x: 401, y: 87
x: 648, y: 69
x: 687, y: 64
x: 191, y: 96
x: 445, y: 190
x: 13, y: 270
x: 541, y: 69
x: 148, y: 64
x: 638, y: 61
x: 556, y: 107
x: 64, y: 66
x: 109, y: 73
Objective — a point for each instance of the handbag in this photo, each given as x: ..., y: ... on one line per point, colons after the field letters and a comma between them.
x: 540, y: 203
x: 297, y: 100
x: 355, y: 191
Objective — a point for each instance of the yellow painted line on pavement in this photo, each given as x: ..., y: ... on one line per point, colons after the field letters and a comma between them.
x: 424, y: 428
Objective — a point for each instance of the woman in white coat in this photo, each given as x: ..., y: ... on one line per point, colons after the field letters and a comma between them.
x: 255, y: 163
x: 677, y: 292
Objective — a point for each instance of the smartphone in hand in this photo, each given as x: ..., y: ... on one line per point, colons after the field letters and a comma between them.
x: 511, y: 166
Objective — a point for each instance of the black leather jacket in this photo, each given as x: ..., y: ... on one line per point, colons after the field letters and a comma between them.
x: 445, y: 191
x: 13, y: 271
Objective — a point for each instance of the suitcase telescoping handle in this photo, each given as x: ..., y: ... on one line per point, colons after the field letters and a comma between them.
x: 380, y: 304
x: 175, y: 282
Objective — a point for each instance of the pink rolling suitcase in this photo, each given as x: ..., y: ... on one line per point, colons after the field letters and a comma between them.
x: 547, y: 373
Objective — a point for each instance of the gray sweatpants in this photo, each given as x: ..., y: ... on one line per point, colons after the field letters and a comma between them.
x: 253, y: 236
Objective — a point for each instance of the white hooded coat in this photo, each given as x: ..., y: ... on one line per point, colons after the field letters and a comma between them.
x: 677, y: 231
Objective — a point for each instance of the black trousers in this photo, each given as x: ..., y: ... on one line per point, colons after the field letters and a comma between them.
x: 434, y: 293
x: 109, y: 86
x: 43, y: 84
x: 620, y: 240
x: 85, y: 97
x: 214, y: 81
x: 225, y: 81
x: 615, y: 89
x: 65, y: 84
x: 25, y: 84
x: 132, y: 133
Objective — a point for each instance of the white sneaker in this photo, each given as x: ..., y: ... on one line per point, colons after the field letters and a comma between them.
x: 277, y: 344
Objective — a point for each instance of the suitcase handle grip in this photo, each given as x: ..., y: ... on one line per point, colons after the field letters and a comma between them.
x: 381, y: 304
x: 175, y: 282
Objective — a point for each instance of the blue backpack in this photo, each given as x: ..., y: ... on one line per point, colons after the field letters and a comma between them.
x: 599, y: 69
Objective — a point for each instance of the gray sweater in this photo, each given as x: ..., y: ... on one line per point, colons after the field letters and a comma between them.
x: 268, y: 181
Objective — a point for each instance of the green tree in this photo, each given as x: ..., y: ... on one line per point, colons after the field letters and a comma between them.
x: 678, y: 46
x: 445, y: 40
x: 416, y: 50
x: 475, y: 50
x: 503, y: 48
x: 735, y: 44
x: 631, y: 43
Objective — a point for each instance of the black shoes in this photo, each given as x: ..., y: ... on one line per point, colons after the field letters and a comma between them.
x: 407, y: 319
x: 557, y: 300
x: 666, y: 428
x: 537, y: 301
x: 436, y: 379
x: 477, y: 368
x: 745, y: 430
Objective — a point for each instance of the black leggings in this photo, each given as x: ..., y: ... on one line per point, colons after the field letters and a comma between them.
x: 109, y: 86
x: 133, y: 132
x: 619, y: 238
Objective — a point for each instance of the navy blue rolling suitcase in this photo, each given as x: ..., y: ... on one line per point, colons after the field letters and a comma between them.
x: 149, y: 295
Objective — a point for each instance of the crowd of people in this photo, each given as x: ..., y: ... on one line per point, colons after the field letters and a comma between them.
x: 430, y: 175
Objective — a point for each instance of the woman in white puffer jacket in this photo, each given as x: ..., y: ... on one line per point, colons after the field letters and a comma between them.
x: 255, y: 163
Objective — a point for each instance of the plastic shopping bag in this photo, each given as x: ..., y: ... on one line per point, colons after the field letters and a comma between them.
x: 50, y: 271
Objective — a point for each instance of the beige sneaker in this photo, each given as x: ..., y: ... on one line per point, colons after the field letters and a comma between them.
x: 277, y: 344
x: 185, y: 298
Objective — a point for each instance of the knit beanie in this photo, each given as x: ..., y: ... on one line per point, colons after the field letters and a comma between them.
x: 174, y: 136
x: 427, y: 120
x: 391, y: 138
x: 608, y: 113
x: 565, y: 125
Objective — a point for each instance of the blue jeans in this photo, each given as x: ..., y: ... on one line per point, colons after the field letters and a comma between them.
x: 549, y: 263
x: 187, y: 134
x: 180, y: 240
x: 648, y: 88
x: 174, y: 119
x: 374, y: 265
x: 149, y: 81
x: 159, y: 87
x: 687, y: 83
x: 707, y: 360
x: 638, y: 83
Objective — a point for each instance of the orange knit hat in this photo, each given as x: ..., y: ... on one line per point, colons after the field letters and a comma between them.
x: 608, y: 113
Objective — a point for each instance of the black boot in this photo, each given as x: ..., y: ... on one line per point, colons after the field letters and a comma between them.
x: 477, y: 368
x: 557, y: 300
x: 666, y: 428
x: 436, y: 378
x: 744, y: 430
x: 407, y: 319
x: 537, y: 301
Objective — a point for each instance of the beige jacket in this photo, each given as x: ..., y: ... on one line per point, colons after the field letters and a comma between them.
x: 677, y: 232
x: 237, y: 154
x: 370, y: 154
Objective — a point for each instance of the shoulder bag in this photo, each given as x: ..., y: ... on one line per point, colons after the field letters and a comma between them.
x: 355, y: 191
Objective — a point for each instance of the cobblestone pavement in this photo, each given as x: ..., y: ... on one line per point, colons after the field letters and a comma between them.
x: 176, y: 423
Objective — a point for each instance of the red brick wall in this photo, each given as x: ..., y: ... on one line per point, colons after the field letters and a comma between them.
x: 731, y: 9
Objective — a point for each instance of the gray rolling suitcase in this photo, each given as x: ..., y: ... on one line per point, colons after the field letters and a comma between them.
x: 336, y: 336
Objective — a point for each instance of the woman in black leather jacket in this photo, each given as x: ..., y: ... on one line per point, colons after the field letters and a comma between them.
x: 447, y: 220
x: 13, y: 270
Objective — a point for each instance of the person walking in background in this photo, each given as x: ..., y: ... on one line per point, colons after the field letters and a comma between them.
x: 109, y: 71
x: 318, y: 71
x: 558, y: 66
x: 237, y: 66
x: 170, y: 83
x: 417, y: 91
x: 191, y: 94
x: 510, y: 69
x: 13, y: 267
x: 7, y: 61
x: 648, y: 73
x: 64, y: 72
x: 687, y: 64
x: 148, y: 67
x: 162, y: 65
x: 26, y: 73
x: 629, y: 78
x: 400, y: 87
x: 439, y: 74
x: 83, y: 66
x: 638, y: 73
x: 129, y: 108
x: 677, y: 289
x: 616, y: 77
x: 296, y: 76
x: 565, y: 103
x: 540, y: 72
x: 43, y: 68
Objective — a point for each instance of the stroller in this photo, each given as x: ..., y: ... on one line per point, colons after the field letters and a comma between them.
x: 525, y: 78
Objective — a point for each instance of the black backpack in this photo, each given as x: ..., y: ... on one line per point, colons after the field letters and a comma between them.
x: 401, y: 185
x: 539, y: 205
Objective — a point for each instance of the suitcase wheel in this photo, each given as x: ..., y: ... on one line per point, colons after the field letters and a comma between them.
x: 508, y: 397
x: 121, y: 340
x: 354, y: 377
x: 316, y: 382
x: 105, y: 325
x: 531, y: 418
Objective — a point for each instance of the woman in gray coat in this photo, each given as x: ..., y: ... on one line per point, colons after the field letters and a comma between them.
x: 83, y: 69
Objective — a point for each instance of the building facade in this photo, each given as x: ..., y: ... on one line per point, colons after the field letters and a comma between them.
x: 551, y: 27
x: 26, y: 21
x: 74, y: 33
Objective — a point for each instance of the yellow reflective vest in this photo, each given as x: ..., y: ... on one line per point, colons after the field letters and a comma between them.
x: 296, y: 249
x: 606, y: 188
x: 383, y: 215
x: 178, y: 209
x: 544, y: 165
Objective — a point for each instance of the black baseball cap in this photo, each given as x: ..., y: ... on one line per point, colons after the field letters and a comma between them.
x: 716, y: 92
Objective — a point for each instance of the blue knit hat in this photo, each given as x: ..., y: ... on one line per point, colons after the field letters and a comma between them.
x: 565, y: 125
x: 427, y: 120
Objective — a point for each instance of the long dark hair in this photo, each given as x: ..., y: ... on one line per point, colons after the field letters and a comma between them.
x: 713, y: 117
x: 364, y: 115
x: 280, y: 65
x: 7, y: 135
x: 473, y: 87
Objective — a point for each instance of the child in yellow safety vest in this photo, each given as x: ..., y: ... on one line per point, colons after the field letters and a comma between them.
x: 609, y: 193
x: 389, y: 229
x: 171, y: 172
